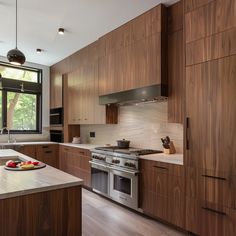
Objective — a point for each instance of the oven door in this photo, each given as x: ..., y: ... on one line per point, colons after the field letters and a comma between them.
x: 100, y: 178
x: 124, y: 186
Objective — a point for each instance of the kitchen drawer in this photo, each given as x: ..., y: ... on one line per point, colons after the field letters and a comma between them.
x: 80, y: 151
x: 211, y: 187
x: 208, y: 219
x: 48, y: 154
x: 162, y: 167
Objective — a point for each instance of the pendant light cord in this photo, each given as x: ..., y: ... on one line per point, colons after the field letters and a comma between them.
x: 16, y: 23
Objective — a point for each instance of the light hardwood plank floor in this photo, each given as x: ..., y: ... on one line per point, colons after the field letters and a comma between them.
x: 101, y: 217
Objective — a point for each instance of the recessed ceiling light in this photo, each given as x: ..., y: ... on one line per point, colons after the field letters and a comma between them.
x: 38, y: 50
x: 61, y: 31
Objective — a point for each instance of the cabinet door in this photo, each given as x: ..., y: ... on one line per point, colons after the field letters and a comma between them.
x: 211, y: 108
x: 55, y: 89
x: 48, y: 154
x: 209, y: 219
x: 72, y: 97
x: 28, y: 150
x: 162, y: 191
x: 75, y: 161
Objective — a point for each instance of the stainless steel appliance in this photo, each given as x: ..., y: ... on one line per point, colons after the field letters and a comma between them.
x: 56, y: 116
x: 115, y: 173
x: 56, y: 135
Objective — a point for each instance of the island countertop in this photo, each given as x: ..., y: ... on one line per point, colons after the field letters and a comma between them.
x: 17, y: 183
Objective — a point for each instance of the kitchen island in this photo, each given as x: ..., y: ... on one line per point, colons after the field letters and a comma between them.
x: 41, y: 202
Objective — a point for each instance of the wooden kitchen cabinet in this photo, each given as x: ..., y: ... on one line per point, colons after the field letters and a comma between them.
x: 210, y: 110
x: 28, y: 150
x: 44, y: 153
x: 48, y: 154
x: 75, y: 161
x: 162, y: 191
x: 83, y: 107
x: 210, y: 219
x: 132, y: 56
x: 176, y: 67
x: 210, y: 95
x: 55, y: 89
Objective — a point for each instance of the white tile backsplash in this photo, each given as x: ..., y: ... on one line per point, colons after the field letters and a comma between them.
x: 143, y: 125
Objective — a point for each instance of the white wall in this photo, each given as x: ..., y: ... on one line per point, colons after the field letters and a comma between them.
x: 143, y: 125
x: 45, y: 107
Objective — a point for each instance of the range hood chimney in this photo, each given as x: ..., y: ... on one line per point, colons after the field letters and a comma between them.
x: 150, y: 93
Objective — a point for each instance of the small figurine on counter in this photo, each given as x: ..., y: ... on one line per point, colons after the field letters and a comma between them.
x: 168, y: 145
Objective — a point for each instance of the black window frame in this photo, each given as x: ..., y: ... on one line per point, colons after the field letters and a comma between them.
x: 13, y: 85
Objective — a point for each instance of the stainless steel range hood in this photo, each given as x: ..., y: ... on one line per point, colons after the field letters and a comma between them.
x: 149, y: 93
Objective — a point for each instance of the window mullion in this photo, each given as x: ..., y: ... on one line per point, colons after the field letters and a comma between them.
x: 4, y: 108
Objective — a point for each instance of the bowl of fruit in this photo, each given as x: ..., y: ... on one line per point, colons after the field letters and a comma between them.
x: 23, y: 165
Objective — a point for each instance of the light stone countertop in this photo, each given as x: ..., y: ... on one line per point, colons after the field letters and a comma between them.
x: 84, y: 146
x: 17, y: 183
x: 28, y: 143
x: 177, y: 158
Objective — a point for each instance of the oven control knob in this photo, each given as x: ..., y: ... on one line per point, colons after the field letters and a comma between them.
x: 129, y: 164
x: 115, y: 161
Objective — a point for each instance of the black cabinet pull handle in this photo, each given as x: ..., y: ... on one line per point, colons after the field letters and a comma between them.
x: 48, y: 152
x: 187, y: 133
x: 44, y: 146
x: 161, y: 167
x: 214, y: 177
x: 214, y: 211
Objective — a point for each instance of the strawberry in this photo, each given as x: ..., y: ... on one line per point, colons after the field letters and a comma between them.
x: 11, y: 164
x: 35, y: 163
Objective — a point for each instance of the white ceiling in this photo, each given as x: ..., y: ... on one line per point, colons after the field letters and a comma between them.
x: 84, y: 20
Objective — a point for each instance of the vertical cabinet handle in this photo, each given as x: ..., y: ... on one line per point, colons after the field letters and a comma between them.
x: 187, y: 133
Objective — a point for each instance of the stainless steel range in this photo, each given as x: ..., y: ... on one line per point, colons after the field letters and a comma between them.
x: 115, y: 173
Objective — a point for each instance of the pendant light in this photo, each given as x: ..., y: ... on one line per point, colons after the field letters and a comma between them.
x: 15, y: 56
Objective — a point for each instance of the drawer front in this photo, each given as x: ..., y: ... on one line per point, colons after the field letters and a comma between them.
x: 48, y: 154
x: 162, y: 167
x: 204, y: 218
x: 80, y: 151
x: 211, y: 187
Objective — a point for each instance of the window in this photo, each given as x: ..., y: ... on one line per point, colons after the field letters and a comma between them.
x: 20, y: 99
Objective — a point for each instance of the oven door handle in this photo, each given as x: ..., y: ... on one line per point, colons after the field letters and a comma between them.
x: 98, y: 164
x: 125, y: 171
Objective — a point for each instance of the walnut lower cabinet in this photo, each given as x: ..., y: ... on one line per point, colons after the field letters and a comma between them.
x: 47, y: 153
x: 162, y: 191
x: 75, y: 161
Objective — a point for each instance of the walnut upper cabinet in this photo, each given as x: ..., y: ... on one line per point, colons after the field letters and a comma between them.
x: 55, y: 89
x: 83, y: 107
x: 132, y: 56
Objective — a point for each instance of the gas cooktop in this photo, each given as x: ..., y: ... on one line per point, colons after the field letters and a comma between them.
x: 129, y: 151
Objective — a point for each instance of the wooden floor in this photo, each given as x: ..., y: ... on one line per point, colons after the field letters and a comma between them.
x: 104, y: 218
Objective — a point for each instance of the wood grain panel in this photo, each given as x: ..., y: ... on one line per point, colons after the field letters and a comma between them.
x: 133, y: 55
x: 75, y: 161
x: 209, y: 219
x: 176, y: 85
x: 175, y: 17
x: 55, y: 212
x: 213, y: 18
x: 210, y: 48
x: 55, y: 89
x: 28, y: 150
x: 210, y: 93
x: 162, y: 191
x: 193, y: 4
x: 48, y: 154
x: 217, y: 188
